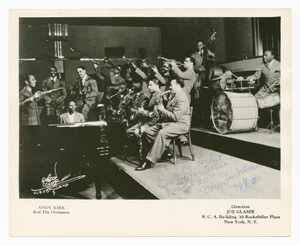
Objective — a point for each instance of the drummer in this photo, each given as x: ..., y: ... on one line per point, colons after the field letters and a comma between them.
x: 271, y: 70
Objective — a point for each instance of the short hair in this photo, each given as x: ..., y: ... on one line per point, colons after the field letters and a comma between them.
x: 53, y: 67
x: 271, y: 51
x: 192, y: 59
x: 82, y: 67
x: 25, y: 78
x: 200, y: 40
x: 180, y: 82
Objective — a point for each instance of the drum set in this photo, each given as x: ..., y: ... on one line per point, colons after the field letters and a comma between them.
x: 234, y: 109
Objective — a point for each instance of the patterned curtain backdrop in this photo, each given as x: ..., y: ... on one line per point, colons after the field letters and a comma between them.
x: 267, y: 35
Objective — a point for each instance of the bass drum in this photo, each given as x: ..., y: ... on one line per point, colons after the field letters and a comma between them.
x: 234, y: 112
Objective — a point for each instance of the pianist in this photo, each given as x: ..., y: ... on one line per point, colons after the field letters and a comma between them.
x: 71, y: 116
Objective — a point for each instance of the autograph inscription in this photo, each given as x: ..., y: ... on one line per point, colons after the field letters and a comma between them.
x: 51, y: 184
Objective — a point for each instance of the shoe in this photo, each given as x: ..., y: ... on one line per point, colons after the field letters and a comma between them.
x: 98, y: 196
x: 145, y: 166
x: 166, y: 156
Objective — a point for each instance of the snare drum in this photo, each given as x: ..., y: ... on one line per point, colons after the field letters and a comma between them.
x: 268, y: 100
x: 234, y: 112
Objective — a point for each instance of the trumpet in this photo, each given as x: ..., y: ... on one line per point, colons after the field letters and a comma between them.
x: 170, y: 60
x: 129, y: 61
x: 107, y: 61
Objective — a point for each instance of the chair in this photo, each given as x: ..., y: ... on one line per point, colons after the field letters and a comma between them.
x: 176, y: 140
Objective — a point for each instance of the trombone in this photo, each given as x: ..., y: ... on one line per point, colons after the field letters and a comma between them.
x: 170, y: 60
x: 105, y: 60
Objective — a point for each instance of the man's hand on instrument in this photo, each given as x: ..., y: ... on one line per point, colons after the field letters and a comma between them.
x: 251, y: 80
x: 37, y: 94
x: 96, y: 65
x: 154, y: 68
x: 140, y: 110
x: 202, y: 68
x: 241, y: 78
x: 173, y: 63
x: 160, y: 107
x: 210, y: 53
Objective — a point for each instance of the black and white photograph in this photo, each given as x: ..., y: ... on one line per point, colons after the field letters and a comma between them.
x: 153, y: 109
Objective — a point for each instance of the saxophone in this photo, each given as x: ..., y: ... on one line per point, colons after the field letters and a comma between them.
x: 138, y: 103
x: 155, y: 115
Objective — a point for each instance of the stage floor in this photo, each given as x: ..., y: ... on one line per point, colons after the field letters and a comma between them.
x: 211, y: 176
x: 262, y: 136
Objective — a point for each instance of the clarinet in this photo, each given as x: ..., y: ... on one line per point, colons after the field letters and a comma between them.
x: 140, y: 143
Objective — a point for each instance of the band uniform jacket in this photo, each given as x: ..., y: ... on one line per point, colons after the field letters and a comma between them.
x: 271, y: 74
x: 58, y: 96
x: 189, y: 78
x: 177, y: 113
x: 29, y: 114
x: 89, y: 87
x: 64, y: 118
x: 198, y: 61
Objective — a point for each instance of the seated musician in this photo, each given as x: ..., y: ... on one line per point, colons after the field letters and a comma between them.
x: 271, y: 70
x: 145, y: 111
x: 29, y: 114
x: 84, y: 92
x: 175, y: 120
x: 188, y: 76
x: 71, y: 116
x: 55, y: 101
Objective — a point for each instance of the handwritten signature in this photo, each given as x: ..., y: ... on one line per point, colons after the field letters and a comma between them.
x: 197, y: 174
x: 51, y: 184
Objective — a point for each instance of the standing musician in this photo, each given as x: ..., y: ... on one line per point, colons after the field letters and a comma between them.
x: 152, y: 71
x: 188, y: 76
x: 271, y: 70
x: 175, y: 120
x: 199, y: 64
x: 84, y: 92
x: 55, y: 101
x: 29, y: 114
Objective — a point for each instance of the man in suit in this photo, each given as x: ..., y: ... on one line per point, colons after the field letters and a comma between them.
x: 188, y: 76
x: 270, y: 68
x: 84, y: 92
x: 175, y: 120
x: 29, y: 114
x: 199, y: 66
x: 71, y: 116
x: 54, y: 101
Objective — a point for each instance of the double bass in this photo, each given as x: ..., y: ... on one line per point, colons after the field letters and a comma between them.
x: 210, y: 70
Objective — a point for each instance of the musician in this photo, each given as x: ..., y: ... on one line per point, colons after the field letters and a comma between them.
x: 270, y: 68
x: 199, y: 66
x: 175, y: 120
x: 188, y: 76
x: 84, y: 91
x: 103, y: 80
x: 54, y: 101
x: 146, y: 111
x: 116, y: 80
x: 152, y: 70
x: 135, y: 101
x: 29, y: 114
x: 71, y: 116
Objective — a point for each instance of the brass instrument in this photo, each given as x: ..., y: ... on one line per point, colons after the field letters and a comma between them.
x: 30, y: 99
x: 170, y: 60
x: 119, y: 91
x: 106, y: 60
x: 155, y: 115
x: 129, y: 61
x: 92, y: 59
